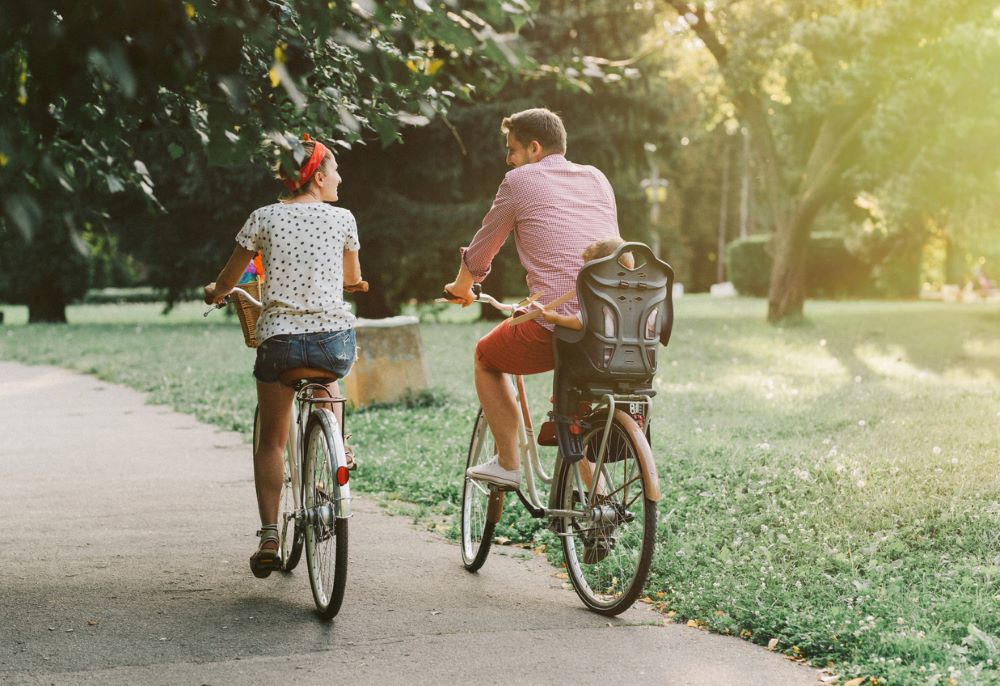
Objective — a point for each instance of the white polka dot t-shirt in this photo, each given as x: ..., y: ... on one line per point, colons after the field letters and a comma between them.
x: 302, y: 245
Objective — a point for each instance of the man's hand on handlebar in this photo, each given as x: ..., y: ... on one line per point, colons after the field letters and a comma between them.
x: 454, y: 294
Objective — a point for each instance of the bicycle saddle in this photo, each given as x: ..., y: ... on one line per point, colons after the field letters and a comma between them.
x: 291, y: 377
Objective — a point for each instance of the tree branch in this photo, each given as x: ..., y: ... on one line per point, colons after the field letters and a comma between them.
x: 825, y: 163
x: 749, y: 108
x: 701, y: 29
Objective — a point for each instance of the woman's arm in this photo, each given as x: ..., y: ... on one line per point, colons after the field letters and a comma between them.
x: 229, y: 276
x: 352, y: 269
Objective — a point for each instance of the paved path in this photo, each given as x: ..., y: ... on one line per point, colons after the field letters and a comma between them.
x: 126, y: 528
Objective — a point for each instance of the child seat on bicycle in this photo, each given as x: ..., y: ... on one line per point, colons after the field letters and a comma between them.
x: 627, y: 313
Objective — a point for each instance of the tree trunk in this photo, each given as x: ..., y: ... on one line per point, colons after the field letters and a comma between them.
x: 787, y: 292
x: 46, y: 304
x: 720, y: 260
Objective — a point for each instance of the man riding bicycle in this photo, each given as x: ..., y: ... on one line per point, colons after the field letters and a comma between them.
x: 555, y: 209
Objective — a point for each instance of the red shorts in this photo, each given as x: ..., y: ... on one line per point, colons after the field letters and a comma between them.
x: 522, y: 349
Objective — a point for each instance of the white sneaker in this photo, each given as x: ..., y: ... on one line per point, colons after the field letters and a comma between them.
x: 491, y: 472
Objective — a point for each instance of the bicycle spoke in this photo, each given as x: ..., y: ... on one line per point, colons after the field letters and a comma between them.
x: 608, y: 549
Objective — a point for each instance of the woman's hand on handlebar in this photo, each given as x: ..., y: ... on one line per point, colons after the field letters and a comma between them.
x: 359, y: 287
x: 215, y: 295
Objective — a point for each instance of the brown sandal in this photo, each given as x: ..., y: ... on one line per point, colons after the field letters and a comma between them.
x: 266, y: 560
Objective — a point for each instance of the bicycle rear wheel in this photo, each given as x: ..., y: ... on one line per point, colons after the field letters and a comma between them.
x: 481, y: 505
x: 289, y: 531
x: 325, y: 533
x: 609, y: 548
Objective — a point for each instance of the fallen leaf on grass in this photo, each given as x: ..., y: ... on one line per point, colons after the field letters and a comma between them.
x: 857, y: 682
x: 501, y: 540
x: 772, y: 644
x: 695, y: 624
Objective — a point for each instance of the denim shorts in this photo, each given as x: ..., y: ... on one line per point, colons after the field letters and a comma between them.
x: 333, y: 351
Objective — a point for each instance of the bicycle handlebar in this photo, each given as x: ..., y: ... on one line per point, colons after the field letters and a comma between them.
x: 225, y: 301
x: 477, y: 290
x: 359, y: 287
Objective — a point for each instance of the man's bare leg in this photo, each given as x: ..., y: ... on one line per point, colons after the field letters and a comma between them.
x: 496, y: 395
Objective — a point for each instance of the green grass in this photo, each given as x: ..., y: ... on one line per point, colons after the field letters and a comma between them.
x: 835, y: 486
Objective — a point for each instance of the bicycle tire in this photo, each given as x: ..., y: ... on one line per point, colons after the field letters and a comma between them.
x: 325, y: 534
x: 289, y: 545
x: 608, y: 561
x: 481, y: 504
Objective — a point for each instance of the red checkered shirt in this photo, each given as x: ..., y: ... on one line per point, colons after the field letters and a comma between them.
x: 555, y: 209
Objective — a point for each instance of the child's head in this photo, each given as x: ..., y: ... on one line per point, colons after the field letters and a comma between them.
x: 317, y: 175
x: 604, y: 247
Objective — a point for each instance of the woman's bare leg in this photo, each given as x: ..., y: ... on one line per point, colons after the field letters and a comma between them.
x: 274, y: 402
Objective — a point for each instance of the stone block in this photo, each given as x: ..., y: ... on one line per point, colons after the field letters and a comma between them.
x: 390, y: 361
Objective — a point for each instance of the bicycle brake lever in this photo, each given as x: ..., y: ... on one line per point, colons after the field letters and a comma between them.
x: 216, y: 306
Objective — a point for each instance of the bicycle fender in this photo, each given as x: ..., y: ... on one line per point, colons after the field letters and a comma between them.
x: 649, y: 477
x: 342, y: 494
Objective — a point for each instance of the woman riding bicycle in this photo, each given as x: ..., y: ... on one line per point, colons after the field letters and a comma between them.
x: 310, y: 251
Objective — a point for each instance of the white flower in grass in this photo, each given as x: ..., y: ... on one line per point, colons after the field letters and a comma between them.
x: 862, y: 422
x: 764, y: 446
x: 822, y: 342
x: 936, y: 450
x: 857, y: 379
x: 954, y: 460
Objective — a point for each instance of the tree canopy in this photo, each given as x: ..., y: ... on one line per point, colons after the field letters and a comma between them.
x: 833, y: 89
x: 147, y: 130
x: 87, y: 85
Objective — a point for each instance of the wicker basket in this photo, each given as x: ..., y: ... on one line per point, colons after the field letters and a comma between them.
x: 248, y: 312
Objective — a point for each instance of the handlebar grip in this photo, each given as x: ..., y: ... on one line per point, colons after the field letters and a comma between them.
x: 477, y: 289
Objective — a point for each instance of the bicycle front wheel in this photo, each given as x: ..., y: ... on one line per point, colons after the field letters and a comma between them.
x: 289, y: 531
x: 609, y: 547
x: 325, y: 532
x: 481, y: 505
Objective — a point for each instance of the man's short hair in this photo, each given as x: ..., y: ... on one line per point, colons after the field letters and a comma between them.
x: 537, y: 124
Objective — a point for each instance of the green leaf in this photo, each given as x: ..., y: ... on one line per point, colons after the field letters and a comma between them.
x: 24, y: 212
x: 175, y: 151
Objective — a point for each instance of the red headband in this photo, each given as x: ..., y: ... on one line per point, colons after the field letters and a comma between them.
x: 310, y: 167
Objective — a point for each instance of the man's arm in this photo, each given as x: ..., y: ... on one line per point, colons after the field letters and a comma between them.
x: 478, y: 257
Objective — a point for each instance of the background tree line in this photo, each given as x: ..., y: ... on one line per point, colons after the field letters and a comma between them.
x: 136, y: 141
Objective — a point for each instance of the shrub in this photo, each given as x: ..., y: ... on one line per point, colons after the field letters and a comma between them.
x: 748, y: 264
x: 831, y: 270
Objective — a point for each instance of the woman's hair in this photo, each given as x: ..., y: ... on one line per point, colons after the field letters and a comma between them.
x: 286, y: 160
x: 538, y: 124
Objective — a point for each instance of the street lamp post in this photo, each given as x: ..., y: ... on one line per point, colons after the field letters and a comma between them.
x: 656, y: 193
